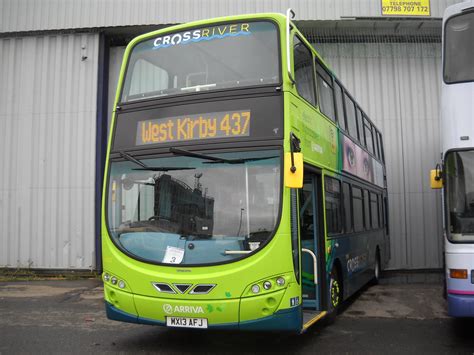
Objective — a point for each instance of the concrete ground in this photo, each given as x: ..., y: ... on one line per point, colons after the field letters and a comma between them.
x: 405, y: 314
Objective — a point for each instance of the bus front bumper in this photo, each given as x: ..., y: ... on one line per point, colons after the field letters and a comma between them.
x: 460, y: 305
x: 283, y: 320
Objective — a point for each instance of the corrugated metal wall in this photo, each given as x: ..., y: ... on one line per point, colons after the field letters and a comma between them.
x: 115, y: 63
x: 398, y: 85
x: 48, y: 95
x: 31, y: 15
x: 48, y: 109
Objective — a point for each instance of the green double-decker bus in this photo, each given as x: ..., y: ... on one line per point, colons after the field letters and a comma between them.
x: 245, y: 187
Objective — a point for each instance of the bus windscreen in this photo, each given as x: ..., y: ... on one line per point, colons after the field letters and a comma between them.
x: 201, y: 210
x: 459, y: 50
x: 459, y: 188
x: 200, y: 59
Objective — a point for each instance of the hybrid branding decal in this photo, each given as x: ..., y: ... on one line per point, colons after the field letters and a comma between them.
x: 169, y: 309
x: 190, y: 127
x: 356, y: 263
x: 203, y: 34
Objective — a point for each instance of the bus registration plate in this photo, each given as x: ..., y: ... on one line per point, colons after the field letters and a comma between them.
x: 184, y: 322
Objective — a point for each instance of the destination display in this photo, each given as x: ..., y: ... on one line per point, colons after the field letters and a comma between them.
x: 236, y: 119
x: 190, y: 127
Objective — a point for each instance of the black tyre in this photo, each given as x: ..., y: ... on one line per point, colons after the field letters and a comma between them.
x: 335, y: 296
x: 377, y: 269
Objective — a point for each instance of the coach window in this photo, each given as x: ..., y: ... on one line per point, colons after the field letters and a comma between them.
x: 303, y: 62
x: 368, y: 135
x: 325, y: 92
x: 339, y: 105
x: 333, y: 205
x: 346, y: 192
x: 358, y: 209
x: 351, y: 116
x: 367, y: 209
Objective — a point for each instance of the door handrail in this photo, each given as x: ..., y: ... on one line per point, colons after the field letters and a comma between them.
x: 315, y: 264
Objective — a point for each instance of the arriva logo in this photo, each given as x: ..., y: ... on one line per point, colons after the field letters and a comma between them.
x: 168, y: 309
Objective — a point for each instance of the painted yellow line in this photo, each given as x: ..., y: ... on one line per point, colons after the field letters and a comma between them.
x: 314, y: 320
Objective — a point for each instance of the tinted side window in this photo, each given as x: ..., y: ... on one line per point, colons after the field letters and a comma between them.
x: 350, y: 116
x: 374, y: 211
x: 376, y: 141
x: 382, y: 153
x: 357, y: 208
x: 366, y: 209
x: 380, y: 209
x: 368, y: 136
x: 340, y: 106
x: 360, y: 127
x: 325, y: 92
x: 459, y: 50
x: 385, y: 215
x: 333, y: 205
x: 346, y: 191
x: 303, y: 62
x: 306, y: 212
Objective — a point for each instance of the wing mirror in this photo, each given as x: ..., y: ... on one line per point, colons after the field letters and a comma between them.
x: 436, y: 178
x: 294, y: 164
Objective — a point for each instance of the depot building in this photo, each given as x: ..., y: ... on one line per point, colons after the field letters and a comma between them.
x: 59, y: 66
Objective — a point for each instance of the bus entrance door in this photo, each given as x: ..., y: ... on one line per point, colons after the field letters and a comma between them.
x: 312, y: 249
x: 310, y: 234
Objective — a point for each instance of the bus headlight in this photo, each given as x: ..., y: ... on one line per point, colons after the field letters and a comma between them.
x: 106, y: 277
x: 255, y: 288
x: 121, y: 284
x: 267, y: 285
x: 113, y: 280
x: 280, y: 281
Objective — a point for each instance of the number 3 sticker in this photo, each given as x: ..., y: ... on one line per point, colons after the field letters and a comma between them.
x: 173, y: 255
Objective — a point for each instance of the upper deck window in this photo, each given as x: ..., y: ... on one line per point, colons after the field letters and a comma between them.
x: 200, y: 59
x: 304, y: 78
x: 458, y: 49
x: 325, y: 92
x: 351, y: 116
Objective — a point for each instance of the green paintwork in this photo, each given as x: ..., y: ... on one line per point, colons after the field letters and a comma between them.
x: 231, y: 300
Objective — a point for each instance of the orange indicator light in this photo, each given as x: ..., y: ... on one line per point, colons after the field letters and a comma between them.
x: 458, y: 273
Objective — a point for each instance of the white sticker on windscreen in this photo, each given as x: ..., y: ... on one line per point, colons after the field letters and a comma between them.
x: 173, y: 255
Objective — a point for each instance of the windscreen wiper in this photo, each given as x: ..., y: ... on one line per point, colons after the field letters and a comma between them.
x: 187, y: 153
x: 214, y: 160
x: 150, y: 168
